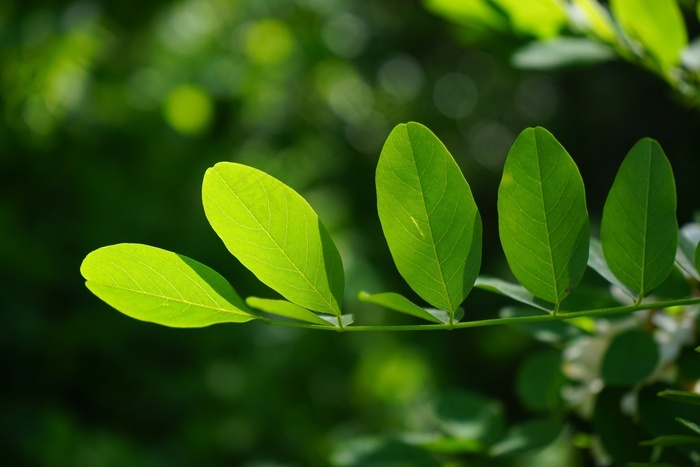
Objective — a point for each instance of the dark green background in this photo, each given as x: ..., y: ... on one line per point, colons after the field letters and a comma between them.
x: 88, y: 158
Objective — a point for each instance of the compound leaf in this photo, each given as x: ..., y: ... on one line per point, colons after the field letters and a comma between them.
x: 428, y: 216
x: 162, y: 287
x: 274, y: 232
x: 542, y: 217
x: 639, y: 231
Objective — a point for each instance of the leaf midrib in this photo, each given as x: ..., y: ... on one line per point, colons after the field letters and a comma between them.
x: 313, y: 286
x: 646, y: 224
x: 446, y: 294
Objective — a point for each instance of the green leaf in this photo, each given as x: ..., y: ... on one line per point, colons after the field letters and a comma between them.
x: 560, y: 52
x: 396, y: 302
x: 596, y: 260
x: 510, y: 290
x: 688, y: 241
x: 639, y: 231
x: 481, y: 18
x: 162, y: 287
x: 672, y: 440
x: 286, y: 309
x: 658, y: 25
x: 467, y: 415
x: 539, y: 18
x: 690, y: 425
x: 618, y: 432
x: 539, y: 381
x: 630, y: 358
x: 274, y: 232
x: 597, y: 19
x: 542, y: 217
x: 527, y: 436
x: 685, y: 397
x: 428, y: 215
x: 697, y: 258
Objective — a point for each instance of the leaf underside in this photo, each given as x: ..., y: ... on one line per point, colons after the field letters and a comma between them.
x: 151, y: 284
x: 639, y: 231
x: 429, y: 217
x: 542, y: 216
x: 286, y: 309
x: 397, y: 302
x: 274, y: 233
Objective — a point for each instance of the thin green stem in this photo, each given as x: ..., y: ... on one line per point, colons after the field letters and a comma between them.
x: 560, y: 316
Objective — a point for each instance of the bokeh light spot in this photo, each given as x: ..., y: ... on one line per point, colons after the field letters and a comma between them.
x: 346, y: 35
x: 268, y: 42
x: 401, y: 78
x: 188, y: 109
x: 455, y: 95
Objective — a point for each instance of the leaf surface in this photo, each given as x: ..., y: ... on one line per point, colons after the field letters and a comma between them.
x: 639, y: 231
x: 151, y: 284
x: 630, y: 358
x: 286, y: 309
x: 542, y: 217
x: 397, y: 302
x: 658, y: 25
x: 508, y: 289
x: 597, y: 19
x: 428, y: 216
x: 274, y: 232
x: 596, y: 260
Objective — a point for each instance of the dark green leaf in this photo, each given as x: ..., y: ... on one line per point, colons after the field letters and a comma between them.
x: 156, y: 285
x: 596, y: 260
x: 469, y: 416
x: 539, y: 381
x: 685, y: 397
x: 542, y: 217
x: 361, y: 452
x: 639, y: 231
x: 528, y: 436
x: 428, y: 215
x: 560, y: 52
x: 274, y: 232
x: 630, y: 358
x: 690, y: 425
x: 672, y: 440
x: 618, y: 432
x: 286, y: 309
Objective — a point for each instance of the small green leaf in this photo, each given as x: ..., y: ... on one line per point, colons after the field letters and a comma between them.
x: 286, y: 309
x: 672, y: 440
x: 658, y: 25
x: 560, y: 52
x: 508, y: 289
x: 542, y: 217
x: 685, y: 397
x: 688, y: 241
x: 690, y: 425
x: 639, y: 231
x: 396, y: 302
x: 539, y: 381
x: 596, y: 260
x: 527, y: 436
x: 162, y: 287
x: 428, y: 216
x: 274, y: 232
x: 630, y: 358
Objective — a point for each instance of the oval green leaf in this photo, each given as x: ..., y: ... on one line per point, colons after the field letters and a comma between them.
x: 162, y: 287
x: 428, y: 216
x: 639, y: 231
x: 631, y: 357
x: 542, y: 216
x: 658, y: 25
x: 274, y: 232
x: 539, y: 381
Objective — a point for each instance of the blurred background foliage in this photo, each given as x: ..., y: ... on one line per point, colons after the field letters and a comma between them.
x: 111, y: 113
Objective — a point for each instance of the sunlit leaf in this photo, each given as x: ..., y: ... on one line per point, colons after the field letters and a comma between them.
x: 274, y: 232
x: 162, y: 287
x: 658, y: 25
x: 527, y: 436
x: 596, y: 19
x: 639, y: 231
x: 630, y: 358
x: 286, y: 309
x: 560, y: 52
x: 397, y: 302
x: 539, y: 18
x: 542, y: 217
x: 508, y: 289
x: 480, y: 17
x: 428, y: 216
